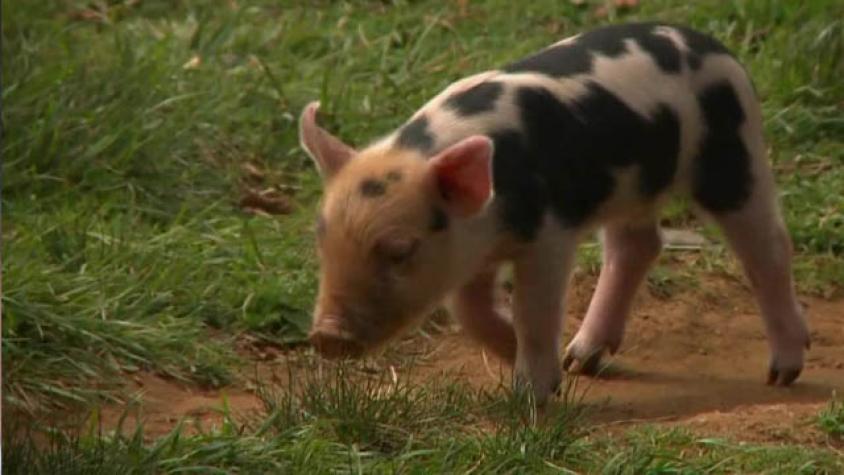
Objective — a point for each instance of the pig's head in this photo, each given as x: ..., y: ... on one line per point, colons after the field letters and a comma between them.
x: 389, y: 233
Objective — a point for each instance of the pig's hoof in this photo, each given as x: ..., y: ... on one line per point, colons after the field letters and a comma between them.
x: 537, y: 392
x: 587, y: 363
x: 585, y: 352
x: 583, y: 355
x: 786, y: 363
x: 783, y: 377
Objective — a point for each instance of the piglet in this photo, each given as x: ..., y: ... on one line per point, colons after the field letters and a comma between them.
x: 518, y: 164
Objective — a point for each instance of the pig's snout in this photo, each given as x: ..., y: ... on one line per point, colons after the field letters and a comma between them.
x: 332, y: 341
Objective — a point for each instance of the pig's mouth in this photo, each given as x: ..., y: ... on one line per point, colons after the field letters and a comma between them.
x: 334, y: 340
x: 335, y: 346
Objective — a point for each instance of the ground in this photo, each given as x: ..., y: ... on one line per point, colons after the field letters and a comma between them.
x: 696, y: 360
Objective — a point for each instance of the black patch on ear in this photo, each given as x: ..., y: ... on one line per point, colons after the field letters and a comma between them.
x: 415, y: 134
x: 476, y: 100
x: 722, y: 178
x: 372, y: 188
x: 564, y: 160
x: 439, y: 220
x: 394, y: 176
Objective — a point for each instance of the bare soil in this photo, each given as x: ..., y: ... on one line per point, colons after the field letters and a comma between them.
x: 696, y: 359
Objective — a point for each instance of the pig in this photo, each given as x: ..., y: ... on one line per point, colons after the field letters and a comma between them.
x: 516, y: 165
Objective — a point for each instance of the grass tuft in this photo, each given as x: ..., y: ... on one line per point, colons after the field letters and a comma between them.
x: 831, y: 419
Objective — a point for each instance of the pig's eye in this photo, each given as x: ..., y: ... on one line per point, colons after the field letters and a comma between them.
x: 396, y: 250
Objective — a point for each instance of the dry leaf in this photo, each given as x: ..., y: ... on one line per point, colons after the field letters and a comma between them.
x: 252, y: 173
x: 619, y: 5
x: 192, y: 63
x: 266, y: 202
x: 89, y: 15
x: 683, y: 239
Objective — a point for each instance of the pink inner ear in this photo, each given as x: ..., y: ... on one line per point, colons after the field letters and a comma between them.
x: 464, y: 174
x: 329, y: 152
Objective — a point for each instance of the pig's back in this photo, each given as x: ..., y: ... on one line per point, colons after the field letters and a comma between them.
x: 603, y: 124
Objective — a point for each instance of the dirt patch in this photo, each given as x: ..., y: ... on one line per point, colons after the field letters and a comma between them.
x: 697, y: 359
x: 161, y: 404
x: 791, y: 423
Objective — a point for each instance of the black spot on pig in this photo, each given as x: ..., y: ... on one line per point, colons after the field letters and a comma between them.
x: 577, y: 57
x: 657, y: 154
x: 476, y: 100
x: 662, y: 50
x: 700, y: 45
x: 416, y: 134
x: 394, y: 176
x: 563, y: 162
x: 693, y: 59
x: 372, y: 188
x: 439, y: 220
x: 722, y: 178
x: 520, y: 193
x: 558, y: 61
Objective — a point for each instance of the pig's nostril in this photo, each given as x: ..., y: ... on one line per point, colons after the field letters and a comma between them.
x: 335, y: 345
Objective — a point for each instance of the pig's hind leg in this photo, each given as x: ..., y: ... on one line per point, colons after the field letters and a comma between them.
x: 734, y: 184
x: 628, y: 252
x: 758, y: 237
x: 474, y: 307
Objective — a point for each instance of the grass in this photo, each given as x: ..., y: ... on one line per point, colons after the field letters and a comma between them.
x: 344, y: 420
x: 127, y: 130
x: 831, y: 419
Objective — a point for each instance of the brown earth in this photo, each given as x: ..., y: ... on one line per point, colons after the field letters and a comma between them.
x: 697, y: 359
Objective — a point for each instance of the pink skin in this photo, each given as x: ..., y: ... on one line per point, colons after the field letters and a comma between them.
x: 628, y: 253
x: 755, y: 234
x: 328, y: 151
x: 474, y: 308
x: 532, y: 342
x: 541, y: 275
x: 759, y: 239
x: 542, y: 268
x: 348, y: 320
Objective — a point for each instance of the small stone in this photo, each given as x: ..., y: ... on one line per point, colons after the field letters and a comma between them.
x: 683, y: 239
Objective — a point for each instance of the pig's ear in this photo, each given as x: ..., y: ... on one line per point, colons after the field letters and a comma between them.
x: 327, y: 151
x: 463, y: 174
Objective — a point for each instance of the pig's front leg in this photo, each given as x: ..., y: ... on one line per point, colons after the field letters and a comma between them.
x: 541, y: 275
x: 628, y: 253
x: 474, y: 307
